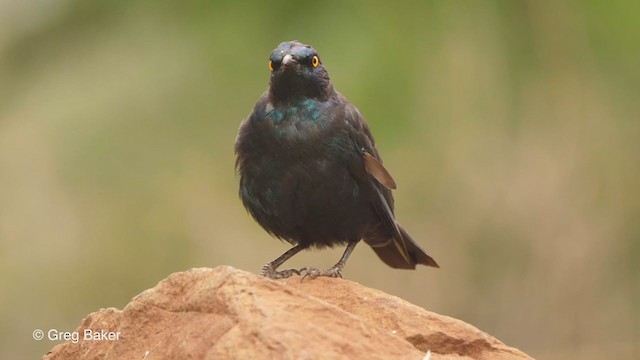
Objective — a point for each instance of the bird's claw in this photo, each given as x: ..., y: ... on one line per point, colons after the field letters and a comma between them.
x: 312, y: 273
x: 271, y: 273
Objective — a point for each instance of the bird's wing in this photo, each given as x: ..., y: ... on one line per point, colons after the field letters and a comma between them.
x: 367, y: 167
x: 375, y: 169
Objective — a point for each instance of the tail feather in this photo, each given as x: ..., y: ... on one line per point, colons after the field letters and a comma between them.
x: 391, y: 256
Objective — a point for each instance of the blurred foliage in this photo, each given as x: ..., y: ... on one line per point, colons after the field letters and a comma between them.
x: 511, y: 127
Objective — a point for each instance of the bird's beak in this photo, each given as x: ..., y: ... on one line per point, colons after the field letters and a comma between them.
x: 288, y: 59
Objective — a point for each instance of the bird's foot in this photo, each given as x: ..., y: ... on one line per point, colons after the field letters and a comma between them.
x: 312, y: 273
x: 271, y: 273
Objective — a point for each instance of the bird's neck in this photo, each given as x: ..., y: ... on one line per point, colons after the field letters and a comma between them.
x: 279, y: 99
x: 292, y: 93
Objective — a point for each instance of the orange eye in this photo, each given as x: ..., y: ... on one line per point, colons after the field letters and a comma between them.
x: 315, y: 61
x: 270, y: 65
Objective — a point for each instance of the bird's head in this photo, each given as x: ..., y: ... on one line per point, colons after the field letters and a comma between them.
x: 297, y: 73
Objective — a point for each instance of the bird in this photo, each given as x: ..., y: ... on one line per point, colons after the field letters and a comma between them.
x: 309, y: 171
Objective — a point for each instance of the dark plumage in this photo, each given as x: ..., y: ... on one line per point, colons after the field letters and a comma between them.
x: 309, y: 170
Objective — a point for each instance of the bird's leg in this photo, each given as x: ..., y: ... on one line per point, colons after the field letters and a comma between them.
x: 269, y: 270
x: 334, y: 271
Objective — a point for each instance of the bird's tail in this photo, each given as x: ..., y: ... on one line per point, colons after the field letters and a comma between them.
x: 392, y: 256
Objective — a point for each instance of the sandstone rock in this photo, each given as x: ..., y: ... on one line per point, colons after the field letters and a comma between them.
x: 225, y: 313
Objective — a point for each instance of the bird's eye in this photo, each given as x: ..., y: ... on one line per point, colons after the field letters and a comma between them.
x: 274, y: 65
x: 315, y: 61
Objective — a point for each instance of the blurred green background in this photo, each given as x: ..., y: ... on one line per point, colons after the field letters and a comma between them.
x: 511, y: 127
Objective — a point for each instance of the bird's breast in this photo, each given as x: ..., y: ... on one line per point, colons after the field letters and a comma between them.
x: 296, y: 179
x: 303, y: 110
x: 300, y: 122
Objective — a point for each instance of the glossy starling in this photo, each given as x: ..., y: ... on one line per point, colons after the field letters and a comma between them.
x: 310, y: 172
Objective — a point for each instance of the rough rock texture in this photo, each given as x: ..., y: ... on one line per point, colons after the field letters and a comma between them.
x: 225, y: 313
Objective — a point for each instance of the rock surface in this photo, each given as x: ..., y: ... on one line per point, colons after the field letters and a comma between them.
x: 225, y: 313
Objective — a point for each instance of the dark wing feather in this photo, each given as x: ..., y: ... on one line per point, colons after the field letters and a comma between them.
x: 375, y: 169
x: 377, y: 178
